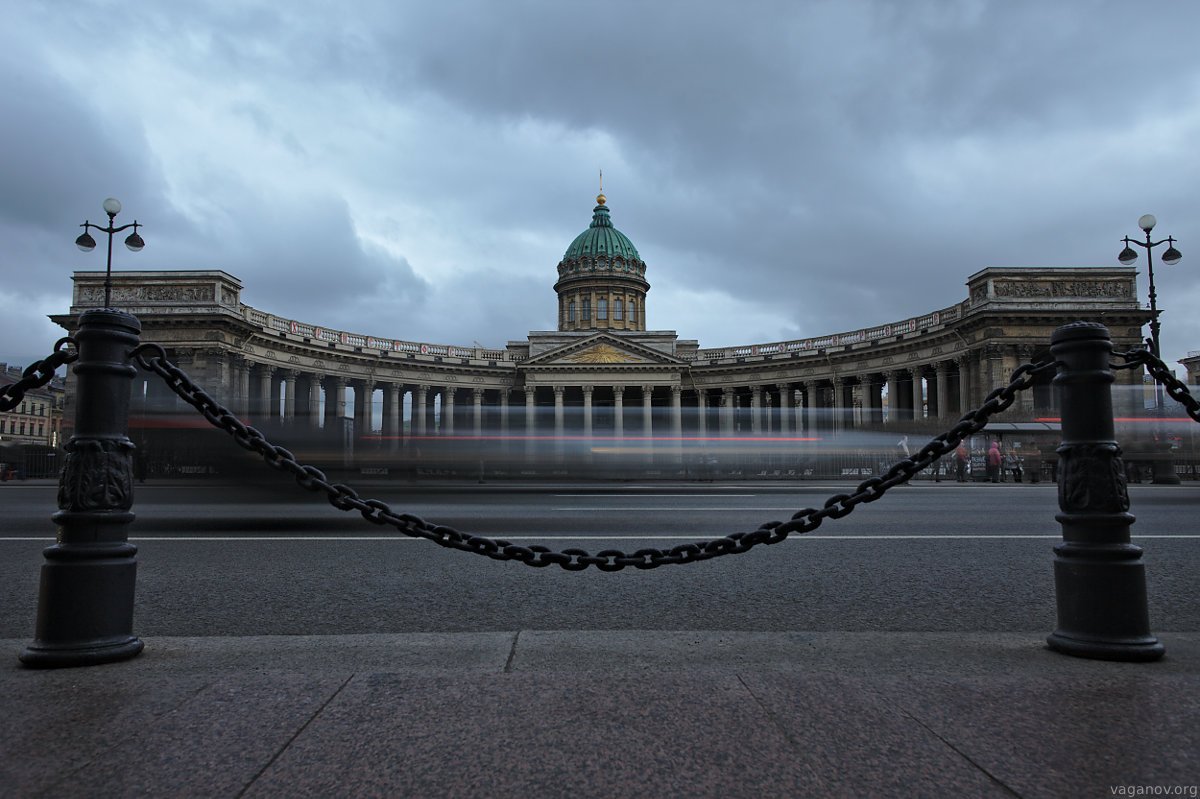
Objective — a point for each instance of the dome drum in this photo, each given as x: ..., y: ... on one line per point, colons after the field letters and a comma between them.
x: 601, y: 279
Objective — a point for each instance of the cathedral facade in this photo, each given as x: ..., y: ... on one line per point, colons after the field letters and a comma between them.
x: 602, y: 379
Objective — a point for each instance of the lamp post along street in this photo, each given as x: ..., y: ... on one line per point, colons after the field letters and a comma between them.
x: 85, y: 242
x: 1164, y: 470
x: 1170, y: 257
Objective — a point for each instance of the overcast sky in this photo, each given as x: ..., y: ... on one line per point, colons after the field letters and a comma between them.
x: 415, y: 170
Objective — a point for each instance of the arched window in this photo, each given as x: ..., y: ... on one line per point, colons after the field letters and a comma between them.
x: 587, y: 309
x: 602, y: 308
x: 618, y: 314
x: 633, y: 311
x: 571, y: 311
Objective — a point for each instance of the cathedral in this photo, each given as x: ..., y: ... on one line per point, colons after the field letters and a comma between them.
x: 602, y: 385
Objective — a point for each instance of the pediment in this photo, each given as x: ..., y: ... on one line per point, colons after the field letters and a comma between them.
x: 603, y: 349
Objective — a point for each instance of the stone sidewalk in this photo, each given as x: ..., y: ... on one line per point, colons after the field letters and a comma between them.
x: 604, y: 714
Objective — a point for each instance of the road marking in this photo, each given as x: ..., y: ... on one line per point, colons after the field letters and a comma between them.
x: 643, y: 496
x: 698, y: 537
x: 678, y: 509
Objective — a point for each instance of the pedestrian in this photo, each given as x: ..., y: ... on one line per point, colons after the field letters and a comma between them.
x: 961, y: 458
x: 993, y: 462
x: 902, y: 445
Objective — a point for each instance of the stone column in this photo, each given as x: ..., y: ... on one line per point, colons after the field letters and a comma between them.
x: 785, y: 408
x: 942, y: 375
x: 918, y: 394
x: 870, y: 399
x: 558, y: 412
x: 342, y: 403
x: 240, y: 401
x: 393, y: 414
x: 314, y: 400
x: 726, y: 412
x: 420, y: 398
x: 893, y: 387
x: 289, y: 396
x: 530, y: 419
x: 964, y: 383
x: 755, y: 409
x: 587, y: 411
x: 369, y: 407
x: 504, y: 412
x: 702, y: 413
x: 619, y: 411
x: 677, y: 413
x: 801, y: 409
x: 477, y: 394
x: 647, y: 419
x: 843, y: 412
x: 265, y: 390
x: 994, y: 366
x: 448, y: 410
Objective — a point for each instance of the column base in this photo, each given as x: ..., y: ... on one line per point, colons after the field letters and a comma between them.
x: 1138, y: 650
x: 93, y: 653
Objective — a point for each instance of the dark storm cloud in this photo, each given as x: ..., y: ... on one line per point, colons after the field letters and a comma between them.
x: 417, y: 169
x: 784, y: 134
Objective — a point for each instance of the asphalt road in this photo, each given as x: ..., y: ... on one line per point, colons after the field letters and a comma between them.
x: 271, y: 559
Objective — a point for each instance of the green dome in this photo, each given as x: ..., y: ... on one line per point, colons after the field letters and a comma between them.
x: 601, y: 239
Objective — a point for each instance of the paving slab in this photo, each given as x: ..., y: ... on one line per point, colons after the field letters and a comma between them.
x: 598, y: 713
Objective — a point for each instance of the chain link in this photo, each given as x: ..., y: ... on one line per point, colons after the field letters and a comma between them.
x: 1175, y: 387
x: 38, y: 374
x: 153, y: 358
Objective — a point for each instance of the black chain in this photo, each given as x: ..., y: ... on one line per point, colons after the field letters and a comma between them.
x: 38, y: 374
x: 373, y: 510
x: 1162, y: 373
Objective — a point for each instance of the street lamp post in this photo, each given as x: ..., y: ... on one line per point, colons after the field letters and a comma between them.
x: 134, y: 242
x: 1170, y: 257
x: 1164, y: 470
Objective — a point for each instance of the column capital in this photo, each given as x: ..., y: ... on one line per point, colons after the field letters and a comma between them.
x: 529, y: 391
x: 676, y: 390
x: 478, y: 394
x: 588, y: 389
x: 618, y: 390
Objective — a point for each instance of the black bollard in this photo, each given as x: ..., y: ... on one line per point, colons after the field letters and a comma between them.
x: 1099, y: 577
x: 85, y: 601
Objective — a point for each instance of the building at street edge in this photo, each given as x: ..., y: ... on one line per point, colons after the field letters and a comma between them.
x: 602, y: 383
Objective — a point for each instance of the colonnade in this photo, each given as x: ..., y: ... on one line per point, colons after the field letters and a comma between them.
x: 823, y: 405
